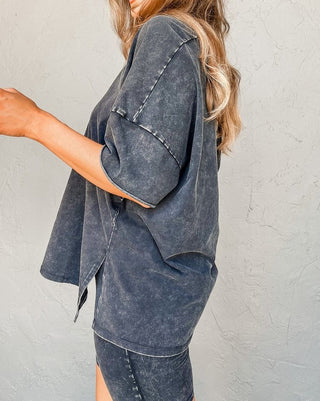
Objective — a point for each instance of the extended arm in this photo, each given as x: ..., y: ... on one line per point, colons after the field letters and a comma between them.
x: 79, y: 152
x: 20, y: 116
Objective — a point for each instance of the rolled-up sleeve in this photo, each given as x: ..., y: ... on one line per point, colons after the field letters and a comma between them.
x: 151, y: 119
x: 137, y: 162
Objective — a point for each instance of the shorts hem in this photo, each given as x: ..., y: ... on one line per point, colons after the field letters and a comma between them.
x: 137, y: 348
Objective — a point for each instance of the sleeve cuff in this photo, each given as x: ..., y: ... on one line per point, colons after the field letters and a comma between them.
x: 118, y: 186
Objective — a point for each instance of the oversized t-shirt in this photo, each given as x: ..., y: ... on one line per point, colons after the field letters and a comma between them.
x: 154, y: 267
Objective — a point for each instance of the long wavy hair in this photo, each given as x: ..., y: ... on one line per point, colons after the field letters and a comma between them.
x: 208, y: 21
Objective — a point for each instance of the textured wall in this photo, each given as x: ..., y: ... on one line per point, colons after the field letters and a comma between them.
x: 258, y: 339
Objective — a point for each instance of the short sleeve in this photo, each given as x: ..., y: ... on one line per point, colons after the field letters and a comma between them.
x: 149, y: 126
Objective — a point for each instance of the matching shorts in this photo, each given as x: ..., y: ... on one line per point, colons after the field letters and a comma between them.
x: 130, y: 376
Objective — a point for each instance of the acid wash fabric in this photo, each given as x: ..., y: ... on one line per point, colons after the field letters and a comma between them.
x: 154, y: 267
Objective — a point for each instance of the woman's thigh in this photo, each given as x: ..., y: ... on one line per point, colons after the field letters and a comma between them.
x: 131, y: 376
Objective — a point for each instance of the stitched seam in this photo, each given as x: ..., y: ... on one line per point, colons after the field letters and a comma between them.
x: 100, y: 263
x: 94, y: 326
x: 135, y: 387
x: 162, y: 71
x: 157, y: 136
x: 91, y: 270
x: 112, y: 231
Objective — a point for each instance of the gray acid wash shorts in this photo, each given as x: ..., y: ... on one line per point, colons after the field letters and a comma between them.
x: 130, y: 376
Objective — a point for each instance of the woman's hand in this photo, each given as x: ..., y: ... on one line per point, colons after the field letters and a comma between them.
x: 18, y: 113
x: 20, y: 116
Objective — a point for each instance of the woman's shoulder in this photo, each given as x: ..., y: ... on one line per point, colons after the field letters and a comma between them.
x: 161, y: 39
x: 165, y: 29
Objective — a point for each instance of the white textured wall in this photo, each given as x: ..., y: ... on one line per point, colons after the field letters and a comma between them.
x: 258, y: 339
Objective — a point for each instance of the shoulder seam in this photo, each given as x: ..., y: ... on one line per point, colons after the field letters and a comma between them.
x: 157, y: 136
x: 180, y: 23
x: 161, y: 72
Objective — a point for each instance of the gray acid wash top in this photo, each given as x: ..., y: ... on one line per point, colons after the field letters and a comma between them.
x: 154, y: 268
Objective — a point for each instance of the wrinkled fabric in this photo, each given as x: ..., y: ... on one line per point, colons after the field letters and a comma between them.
x: 154, y: 267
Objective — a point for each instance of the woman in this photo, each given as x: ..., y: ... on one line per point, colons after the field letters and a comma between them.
x: 140, y: 209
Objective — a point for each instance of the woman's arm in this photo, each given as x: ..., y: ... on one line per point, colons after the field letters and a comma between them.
x: 20, y: 116
x: 79, y: 152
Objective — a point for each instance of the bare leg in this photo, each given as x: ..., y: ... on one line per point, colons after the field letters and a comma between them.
x: 102, y: 392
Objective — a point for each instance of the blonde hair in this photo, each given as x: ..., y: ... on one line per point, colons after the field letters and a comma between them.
x: 207, y: 19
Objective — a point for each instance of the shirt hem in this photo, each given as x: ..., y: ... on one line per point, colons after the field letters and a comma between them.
x: 57, y: 278
x: 138, y: 348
